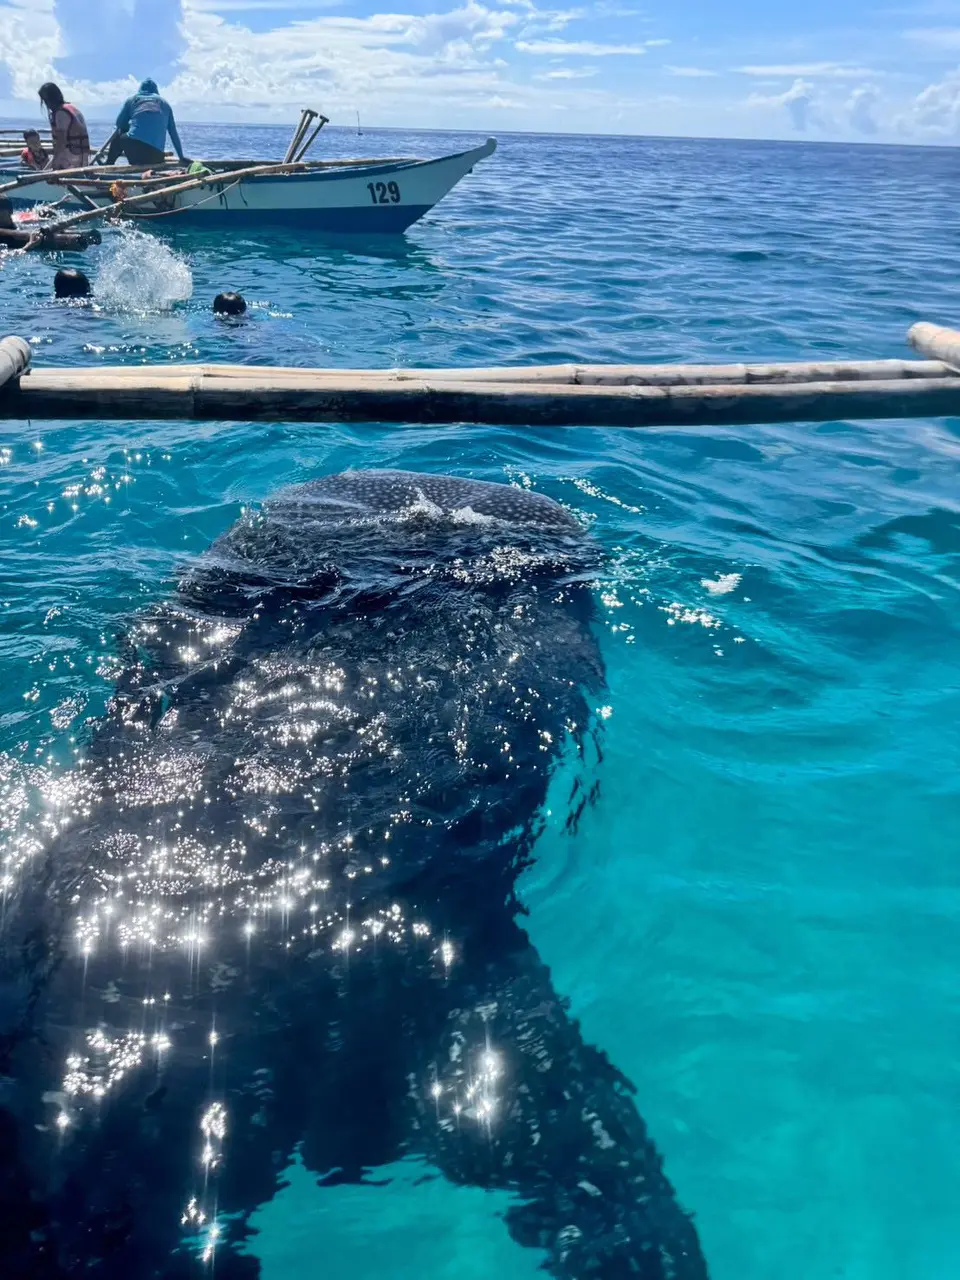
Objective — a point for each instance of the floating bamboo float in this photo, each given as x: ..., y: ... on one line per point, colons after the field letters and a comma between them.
x: 553, y: 395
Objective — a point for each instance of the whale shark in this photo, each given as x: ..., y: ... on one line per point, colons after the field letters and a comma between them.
x: 272, y: 912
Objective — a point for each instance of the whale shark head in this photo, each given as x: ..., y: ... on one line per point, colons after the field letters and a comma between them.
x: 380, y: 642
x: 386, y: 534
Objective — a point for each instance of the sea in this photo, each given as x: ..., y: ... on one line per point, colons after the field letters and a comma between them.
x: 758, y: 919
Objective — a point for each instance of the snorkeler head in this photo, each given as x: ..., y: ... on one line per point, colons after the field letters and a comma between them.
x: 71, y: 283
x: 229, y: 304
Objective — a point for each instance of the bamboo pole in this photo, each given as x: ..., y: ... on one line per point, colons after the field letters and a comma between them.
x: 306, y: 116
x: 104, y: 147
x: 664, y: 375
x: 937, y: 342
x: 547, y: 395
x: 306, y: 145
x: 15, y: 356
x: 102, y: 176
x: 204, y: 180
x: 101, y: 172
x: 103, y: 184
x: 124, y: 174
x: 47, y: 175
x: 378, y: 397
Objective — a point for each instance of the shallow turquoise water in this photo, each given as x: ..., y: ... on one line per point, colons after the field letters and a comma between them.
x: 759, y: 919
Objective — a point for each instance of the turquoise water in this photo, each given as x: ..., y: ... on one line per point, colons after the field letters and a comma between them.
x: 759, y: 919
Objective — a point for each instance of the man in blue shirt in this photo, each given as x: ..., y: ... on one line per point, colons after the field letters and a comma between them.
x: 143, y: 124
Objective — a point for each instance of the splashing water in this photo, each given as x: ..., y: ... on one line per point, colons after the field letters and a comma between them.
x: 138, y: 272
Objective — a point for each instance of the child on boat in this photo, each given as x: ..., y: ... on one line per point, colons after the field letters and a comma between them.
x: 34, y: 154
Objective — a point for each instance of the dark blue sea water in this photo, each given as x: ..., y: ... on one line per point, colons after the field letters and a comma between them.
x: 759, y: 920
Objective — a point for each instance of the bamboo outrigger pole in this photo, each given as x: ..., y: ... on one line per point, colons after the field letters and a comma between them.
x: 558, y: 395
x: 937, y: 342
x: 15, y: 356
x: 94, y: 172
x: 57, y: 175
x: 204, y: 180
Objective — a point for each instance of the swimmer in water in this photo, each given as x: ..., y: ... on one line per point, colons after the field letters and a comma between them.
x: 38, y: 237
x: 229, y: 304
x: 69, y: 282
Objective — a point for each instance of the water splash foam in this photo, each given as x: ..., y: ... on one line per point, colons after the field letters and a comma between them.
x: 139, y: 273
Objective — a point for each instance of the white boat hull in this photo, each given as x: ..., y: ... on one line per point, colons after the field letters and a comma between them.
x: 382, y: 198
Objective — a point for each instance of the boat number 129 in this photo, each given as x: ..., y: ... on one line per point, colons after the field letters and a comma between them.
x: 384, y: 192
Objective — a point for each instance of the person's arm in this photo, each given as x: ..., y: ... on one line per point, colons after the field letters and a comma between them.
x: 174, y: 136
x: 123, y: 119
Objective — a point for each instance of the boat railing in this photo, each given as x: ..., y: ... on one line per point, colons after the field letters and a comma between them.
x: 160, y: 175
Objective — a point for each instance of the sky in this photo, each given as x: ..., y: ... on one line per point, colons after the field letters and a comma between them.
x: 825, y: 69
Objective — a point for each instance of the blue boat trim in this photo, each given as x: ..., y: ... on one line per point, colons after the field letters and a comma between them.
x: 377, y: 220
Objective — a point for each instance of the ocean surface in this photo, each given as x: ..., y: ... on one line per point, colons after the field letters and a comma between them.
x: 759, y: 919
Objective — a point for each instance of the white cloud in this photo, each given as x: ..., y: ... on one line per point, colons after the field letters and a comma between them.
x: 691, y: 73
x: 830, y: 70
x: 420, y: 70
x: 29, y: 42
x: 109, y: 39
x: 941, y: 40
x: 568, y: 73
x: 474, y: 23
x: 935, y: 113
x: 861, y: 110
x: 540, y: 21
x: 249, y: 6
x: 581, y: 48
x: 382, y: 62
x: 798, y: 102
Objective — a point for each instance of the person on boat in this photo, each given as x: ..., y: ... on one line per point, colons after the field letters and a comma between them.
x: 34, y: 155
x: 38, y: 236
x: 71, y: 142
x: 144, y: 121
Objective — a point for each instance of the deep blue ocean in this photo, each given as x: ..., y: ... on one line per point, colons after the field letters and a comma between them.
x: 759, y: 920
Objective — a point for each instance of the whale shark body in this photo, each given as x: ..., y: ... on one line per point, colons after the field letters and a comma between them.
x: 275, y: 912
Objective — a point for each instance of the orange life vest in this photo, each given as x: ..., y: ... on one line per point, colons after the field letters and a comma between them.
x: 78, y: 140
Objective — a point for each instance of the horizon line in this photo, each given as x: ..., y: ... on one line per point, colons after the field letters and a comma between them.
x: 544, y: 133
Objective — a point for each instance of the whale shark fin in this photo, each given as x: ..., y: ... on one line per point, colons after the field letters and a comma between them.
x: 515, y: 1099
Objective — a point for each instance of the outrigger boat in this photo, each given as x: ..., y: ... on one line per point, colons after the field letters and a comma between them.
x: 357, y: 196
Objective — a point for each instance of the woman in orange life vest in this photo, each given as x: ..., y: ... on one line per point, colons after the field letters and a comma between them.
x: 71, y: 142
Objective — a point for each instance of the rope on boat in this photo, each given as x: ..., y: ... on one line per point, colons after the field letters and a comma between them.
x: 184, y: 208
